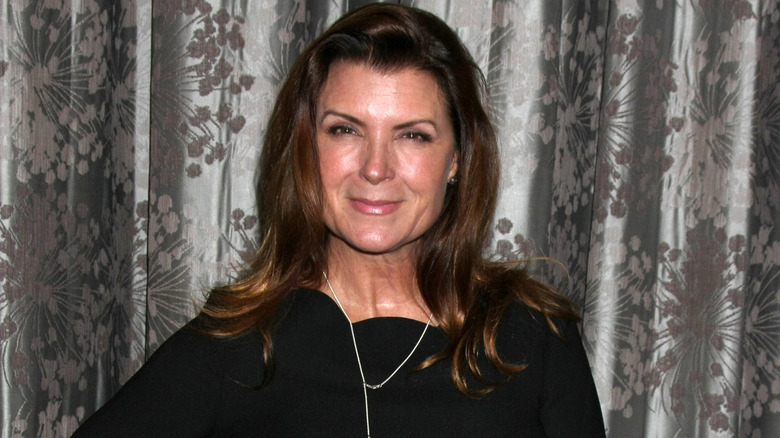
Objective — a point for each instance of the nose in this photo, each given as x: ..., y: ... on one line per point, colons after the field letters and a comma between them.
x: 377, y: 165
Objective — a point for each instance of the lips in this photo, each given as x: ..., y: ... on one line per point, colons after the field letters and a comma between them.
x: 377, y: 208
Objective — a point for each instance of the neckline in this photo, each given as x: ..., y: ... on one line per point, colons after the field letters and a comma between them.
x: 373, y: 320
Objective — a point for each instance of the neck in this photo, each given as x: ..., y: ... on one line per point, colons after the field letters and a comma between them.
x: 371, y: 285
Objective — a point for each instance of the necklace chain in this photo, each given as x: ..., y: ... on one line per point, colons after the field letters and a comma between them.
x: 367, y: 386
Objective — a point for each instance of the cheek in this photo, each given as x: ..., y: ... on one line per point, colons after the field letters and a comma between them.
x: 336, y: 162
x: 431, y: 188
x: 334, y: 176
x: 331, y: 169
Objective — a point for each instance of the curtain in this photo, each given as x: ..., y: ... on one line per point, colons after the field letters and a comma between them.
x: 640, y: 147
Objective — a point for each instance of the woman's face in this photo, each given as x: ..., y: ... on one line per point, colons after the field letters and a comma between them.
x: 387, y: 149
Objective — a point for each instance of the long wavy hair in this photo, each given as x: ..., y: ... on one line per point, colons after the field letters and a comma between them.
x: 467, y: 294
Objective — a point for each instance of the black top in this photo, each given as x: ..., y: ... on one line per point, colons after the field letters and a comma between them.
x: 197, y: 386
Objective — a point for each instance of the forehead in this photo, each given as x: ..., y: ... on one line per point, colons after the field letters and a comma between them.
x: 354, y: 80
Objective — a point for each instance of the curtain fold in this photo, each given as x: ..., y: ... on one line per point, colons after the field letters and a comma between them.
x: 640, y: 146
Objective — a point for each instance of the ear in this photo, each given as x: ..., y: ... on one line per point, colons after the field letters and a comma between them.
x: 453, y: 165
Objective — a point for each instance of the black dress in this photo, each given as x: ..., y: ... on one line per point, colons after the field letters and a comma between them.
x: 196, y: 386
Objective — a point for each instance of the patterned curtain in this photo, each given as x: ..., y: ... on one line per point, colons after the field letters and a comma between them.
x: 641, y: 149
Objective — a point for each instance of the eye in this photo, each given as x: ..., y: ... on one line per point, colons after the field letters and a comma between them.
x: 336, y: 130
x: 417, y: 136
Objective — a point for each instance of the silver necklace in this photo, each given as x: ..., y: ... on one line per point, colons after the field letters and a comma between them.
x: 366, y: 386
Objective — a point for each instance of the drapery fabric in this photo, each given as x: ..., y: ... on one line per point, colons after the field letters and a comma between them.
x: 640, y: 148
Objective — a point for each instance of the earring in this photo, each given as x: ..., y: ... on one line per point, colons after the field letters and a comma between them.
x: 452, y: 180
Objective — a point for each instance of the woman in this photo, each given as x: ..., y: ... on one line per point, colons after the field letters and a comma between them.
x: 369, y: 308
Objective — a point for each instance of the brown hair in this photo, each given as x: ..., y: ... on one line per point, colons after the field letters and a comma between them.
x: 467, y: 294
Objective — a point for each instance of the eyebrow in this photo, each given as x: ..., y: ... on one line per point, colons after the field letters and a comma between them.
x: 358, y: 122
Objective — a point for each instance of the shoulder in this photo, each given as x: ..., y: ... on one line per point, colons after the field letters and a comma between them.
x: 177, y: 391
x: 520, y: 316
x: 235, y: 357
x: 526, y: 334
x: 190, y: 357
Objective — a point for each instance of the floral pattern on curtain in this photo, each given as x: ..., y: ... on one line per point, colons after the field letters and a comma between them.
x: 640, y: 148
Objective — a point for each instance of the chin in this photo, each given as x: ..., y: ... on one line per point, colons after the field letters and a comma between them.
x: 377, y: 245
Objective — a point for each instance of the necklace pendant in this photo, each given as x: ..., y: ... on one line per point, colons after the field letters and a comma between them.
x: 372, y: 386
